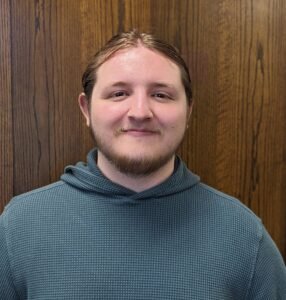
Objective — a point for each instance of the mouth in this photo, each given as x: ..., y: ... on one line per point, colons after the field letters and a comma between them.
x: 139, y: 131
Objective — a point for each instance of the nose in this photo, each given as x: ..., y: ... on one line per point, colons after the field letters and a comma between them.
x: 140, y: 107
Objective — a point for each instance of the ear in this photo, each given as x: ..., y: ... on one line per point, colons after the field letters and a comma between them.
x: 84, y: 107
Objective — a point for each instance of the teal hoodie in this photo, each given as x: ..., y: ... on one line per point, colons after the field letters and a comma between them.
x: 85, y: 237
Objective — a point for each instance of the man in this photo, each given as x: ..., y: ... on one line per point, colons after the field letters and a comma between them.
x: 134, y: 222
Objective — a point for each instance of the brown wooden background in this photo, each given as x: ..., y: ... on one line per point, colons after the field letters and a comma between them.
x: 236, y: 50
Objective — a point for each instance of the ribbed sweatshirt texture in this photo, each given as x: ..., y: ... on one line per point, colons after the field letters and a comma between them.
x: 85, y: 237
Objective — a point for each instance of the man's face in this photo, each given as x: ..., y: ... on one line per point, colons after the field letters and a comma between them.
x: 138, y: 112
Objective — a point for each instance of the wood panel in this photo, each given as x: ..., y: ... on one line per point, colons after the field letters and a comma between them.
x: 236, y: 52
x: 6, y: 125
x: 46, y: 60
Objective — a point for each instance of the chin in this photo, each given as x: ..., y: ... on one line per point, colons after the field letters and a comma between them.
x: 139, y: 165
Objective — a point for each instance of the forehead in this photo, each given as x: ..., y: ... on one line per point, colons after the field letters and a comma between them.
x: 139, y: 64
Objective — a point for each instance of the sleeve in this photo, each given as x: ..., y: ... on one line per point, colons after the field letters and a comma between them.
x: 269, y: 275
x: 7, y: 289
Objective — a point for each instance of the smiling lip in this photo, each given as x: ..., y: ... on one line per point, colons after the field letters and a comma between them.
x: 139, y: 131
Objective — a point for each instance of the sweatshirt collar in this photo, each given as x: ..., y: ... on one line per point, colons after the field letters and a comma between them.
x: 88, y: 178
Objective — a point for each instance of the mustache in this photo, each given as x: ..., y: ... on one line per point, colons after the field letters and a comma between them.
x: 139, y: 129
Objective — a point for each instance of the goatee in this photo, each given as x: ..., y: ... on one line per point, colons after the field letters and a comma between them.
x: 139, y: 166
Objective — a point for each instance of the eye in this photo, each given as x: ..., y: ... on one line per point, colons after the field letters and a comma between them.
x: 117, y: 95
x: 162, y: 96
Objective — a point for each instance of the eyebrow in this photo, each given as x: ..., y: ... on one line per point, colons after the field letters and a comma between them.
x: 162, y: 85
x: 152, y: 84
x: 119, y: 83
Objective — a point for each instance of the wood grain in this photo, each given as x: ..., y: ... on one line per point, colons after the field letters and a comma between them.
x: 235, y: 50
x: 6, y: 117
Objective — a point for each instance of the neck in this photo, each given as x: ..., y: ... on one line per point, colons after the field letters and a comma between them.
x: 135, y: 183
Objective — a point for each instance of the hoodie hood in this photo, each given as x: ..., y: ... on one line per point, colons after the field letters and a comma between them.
x: 87, y: 177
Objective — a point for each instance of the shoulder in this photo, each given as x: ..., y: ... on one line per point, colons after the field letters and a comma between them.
x: 240, y: 236
x: 228, y: 222
x: 37, y: 198
x: 226, y: 207
x: 30, y: 212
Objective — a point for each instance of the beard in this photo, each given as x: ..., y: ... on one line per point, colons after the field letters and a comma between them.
x: 140, y: 166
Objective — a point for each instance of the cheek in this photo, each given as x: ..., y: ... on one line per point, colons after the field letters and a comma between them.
x: 176, y: 121
x: 104, y: 118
